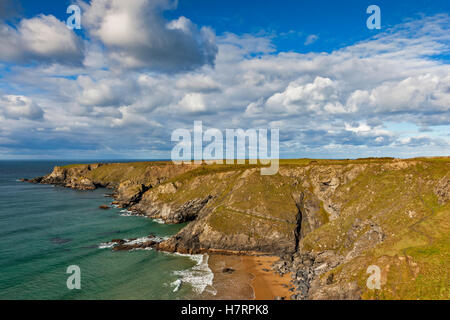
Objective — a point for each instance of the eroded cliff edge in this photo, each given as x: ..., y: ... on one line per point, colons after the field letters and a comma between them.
x: 327, y: 220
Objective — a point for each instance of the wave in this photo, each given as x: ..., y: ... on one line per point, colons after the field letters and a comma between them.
x: 129, y: 213
x: 106, y: 245
x: 176, y: 284
x: 143, y: 240
x: 126, y: 213
x: 200, y: 276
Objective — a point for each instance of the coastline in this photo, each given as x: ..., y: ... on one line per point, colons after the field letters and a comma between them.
x: 247, y: 277
x: 235, y: 211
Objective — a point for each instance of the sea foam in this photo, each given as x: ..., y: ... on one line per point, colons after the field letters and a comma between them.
x: 200, y: 276
x: 112, y: 244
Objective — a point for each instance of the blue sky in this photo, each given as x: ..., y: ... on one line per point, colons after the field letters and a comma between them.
x: 135, y: 72
x: 338, y: 23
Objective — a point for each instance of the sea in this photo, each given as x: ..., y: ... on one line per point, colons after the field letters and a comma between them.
x: 45, y: 230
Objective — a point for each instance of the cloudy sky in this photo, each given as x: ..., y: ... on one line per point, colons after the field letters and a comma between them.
x: 137, y: 70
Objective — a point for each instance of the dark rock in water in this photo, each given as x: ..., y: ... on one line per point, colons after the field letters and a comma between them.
x: 34, y: 180
x: 58, y: 240
x: 121, y: 247
x: 151, y: 241
x: 142, y: 245
x: 105, y: 207
x: 228, y: 270
x: 119, y: 241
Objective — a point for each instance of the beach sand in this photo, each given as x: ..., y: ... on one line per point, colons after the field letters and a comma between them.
x: 247, y: 278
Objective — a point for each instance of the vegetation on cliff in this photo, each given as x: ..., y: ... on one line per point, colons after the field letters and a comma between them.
x: 328, y: 220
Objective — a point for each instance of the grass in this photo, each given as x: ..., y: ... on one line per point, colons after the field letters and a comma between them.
x: 232, y: 222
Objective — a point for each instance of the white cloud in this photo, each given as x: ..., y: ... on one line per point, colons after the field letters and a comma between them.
x: 319, y: 96
x: 19, y: 107
x: 129, y: 119
x: 193, y: 102
x: 105, y: 92
x: 197, y: 83
x: 340, y: 101
x: 423, y: 93
x: 137, y: 35
x: 43, y: 39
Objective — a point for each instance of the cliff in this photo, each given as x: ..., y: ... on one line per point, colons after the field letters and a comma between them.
x: 328, y: 220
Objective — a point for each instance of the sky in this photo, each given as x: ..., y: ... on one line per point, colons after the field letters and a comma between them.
x: 137, y: 70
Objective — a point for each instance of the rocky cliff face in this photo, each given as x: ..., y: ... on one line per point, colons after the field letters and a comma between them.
x: 327, y: 220
x: 72, y: 177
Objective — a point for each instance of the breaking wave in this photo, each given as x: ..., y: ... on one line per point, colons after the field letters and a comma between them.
x: 200, y: 276
x: 130, y: 242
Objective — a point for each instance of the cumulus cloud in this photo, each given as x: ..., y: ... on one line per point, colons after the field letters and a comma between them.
x: 422, y: 93
x: 40, y: 39
x: 198, y: 83
x: 19, y: 107
x: 105, y: 92
x: 319, y: 96
x: 345, y: 103
x: 137, y: 35
x: 193, y: 102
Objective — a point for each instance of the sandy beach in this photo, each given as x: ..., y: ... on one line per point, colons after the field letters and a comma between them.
x: 247, y: 278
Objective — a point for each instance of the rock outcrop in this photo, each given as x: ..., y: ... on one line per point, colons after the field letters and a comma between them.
x: 129, y: 193
x: 170, y: 212
x: 442, y: 189
x: 74, y: 177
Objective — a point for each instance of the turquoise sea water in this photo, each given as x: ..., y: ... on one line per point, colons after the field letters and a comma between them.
x: 44, y: 229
